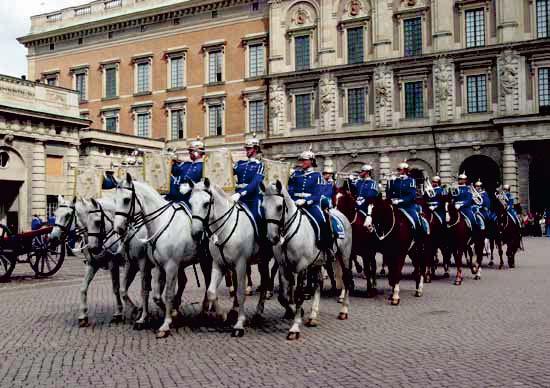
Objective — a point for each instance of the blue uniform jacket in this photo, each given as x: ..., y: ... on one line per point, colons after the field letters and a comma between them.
x: 182, y: 172
x: 327, y: 193
x: 308, y: 185
x: 404, y: 188
x: 439, y: 203
x: 467, y: 200
x: 250, y: 174
x: 365, y: 190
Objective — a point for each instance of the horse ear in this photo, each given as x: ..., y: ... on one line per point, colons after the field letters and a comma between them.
x: 207, y: 183
x: 74, y: 200
x: 262, y: 186
x: 279, y: 186
x: 94, y: 202
x: 128, y: 177
x: 190, y: 183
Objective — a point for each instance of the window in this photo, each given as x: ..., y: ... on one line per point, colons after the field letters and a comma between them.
x: 176, y: 72
x: 543, y: 13
x: 215, y: 122
x: 143, y: 124
x: 302, y: 51
x: 413, y: 36
x: 356, y: 106
x: 143, y: 69
x: 4, y: 159
x: 51, y: 205
x: 414, y: 100
x: 51, y: 80
x: 176, y: 124
x: 80, y: 86
x: 476, y: 93
x: 256, y: 60
x: 355, y: 45
x: 215, y: 65
x: 54, y: 165
x: 475, y: 28
x: 544, y: 90
x: 303, y: 110
x: 256, y: 116
x: 110, y: 82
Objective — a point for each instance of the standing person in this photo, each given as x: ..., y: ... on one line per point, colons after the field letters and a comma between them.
x: 186, y: 171
x: 547, y: 222
x: 36, y: 222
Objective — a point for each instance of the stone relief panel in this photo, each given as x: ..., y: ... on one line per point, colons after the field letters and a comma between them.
x: 508, y: 64
x: 301, y: 15
x: 443, y: 74
x: 350, y: 9
x: 277, y: 107
x: 327, y: 91
x: 383, y: 89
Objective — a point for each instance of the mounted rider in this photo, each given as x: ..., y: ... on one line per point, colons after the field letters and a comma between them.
x: 464, y: 200
x: 329, y: 186
x: 250, y: 174
x: 510, y: 201
x: 186, y: 171
x: 305, y: 188
x: 437, y: 202
x: 365, y: 190
x: 485, y: 208
x: 402, y: 192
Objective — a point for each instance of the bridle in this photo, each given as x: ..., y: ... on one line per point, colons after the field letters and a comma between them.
x: 283, y: 226
x: 102, y: 235
x: 384, y: 235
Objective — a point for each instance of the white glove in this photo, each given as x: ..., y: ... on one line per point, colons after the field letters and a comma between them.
x: 300, y: 202
x: 360, y: 201
x: 458, y: 205
x: 396, y: 201
x: 185, y: 188
x: 236, y: 197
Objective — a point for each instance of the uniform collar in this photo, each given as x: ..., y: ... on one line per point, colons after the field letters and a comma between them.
x: 196, y: 161
x: 252, y: 159
x: 403, y: 176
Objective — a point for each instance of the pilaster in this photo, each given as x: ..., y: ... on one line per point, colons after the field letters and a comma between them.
x: 38, y: 177
x: 510, y: 168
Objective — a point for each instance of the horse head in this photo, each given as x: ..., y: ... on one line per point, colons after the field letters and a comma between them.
x: 452, y: 214
x: 380, y: 216
x: 201, y: 202
x: 276, y: 208
x: 125, y: 204
x: 65, y: 218
x: 98, y: 224
x: 345, y: 201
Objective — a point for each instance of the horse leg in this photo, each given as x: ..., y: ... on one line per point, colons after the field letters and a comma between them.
x: 500, y: 254
x: 394, y: 276
x: 347, y: 277
x: 272, y: 275
x: 479, y: 248
x: 213, y: 285
x: 241, y: 273
x: 329, y: 267
x: 128, y: 276
x: 249, y: 284
x: 182, y: 282
x: 88, y: 277
x: 145, y: 268
x: 313, y: 319
x: 171, y: 270
x: 284, y: 292
x: 263, y: 268
x: 160, y: 282
x: 115, y: 280
x: 492, y: 249
x: 229, y: 283
x: 511, y: 250
x: 420, y: 271
x: 294, y: 332
x: 458, y: 263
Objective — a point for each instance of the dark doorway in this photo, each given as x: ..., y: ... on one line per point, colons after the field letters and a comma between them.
x: 539, y: 189
x: 418, y: 176
x: 483, y: 168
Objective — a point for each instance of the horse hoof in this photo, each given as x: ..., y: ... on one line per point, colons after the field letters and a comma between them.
x: 293, y: 336
x: 117, y: 319
x: 382, y: 272
x: 372, y: 292
x: 395, y: 302
x: 163, y: 334
x: 248, y: 291
x: 237, y: 333
x: 232, y: 317
x: 343, y: 316
x: 312, y: 323
x: 446, y: 275
x: 418, y: 294
x: 501, y: 266
x: 307, y: 296
x: 477, y: 277
x: 232, y: 292
x: 83, y: 322
x: 491, y: 263
x: 136, y: 313
x: 340, y: 300
x: 458, y: 282
x: 138, y: 326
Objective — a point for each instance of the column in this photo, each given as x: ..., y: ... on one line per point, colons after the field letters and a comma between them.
x: 384, y: 166
x: 510, y: 168
x: 38, y: 180
x: 445, y: 169
x: 71, y: 160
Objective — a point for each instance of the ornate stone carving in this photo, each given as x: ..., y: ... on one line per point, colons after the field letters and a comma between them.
x: 326, y: 95
x: 508, y: 64
x: 383, y: 89
x: 327, y: 91
x: 443, y: 74
x: 276, y: 107
x: 301, y: 16
x: 353, y: 8
x: 410, y: 3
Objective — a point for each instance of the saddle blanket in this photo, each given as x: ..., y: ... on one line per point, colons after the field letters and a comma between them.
x: 337, y: 227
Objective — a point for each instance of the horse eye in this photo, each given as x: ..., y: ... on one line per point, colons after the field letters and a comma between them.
x: 280, y: 208
x: 205, y: 206
x: 126, y: 201
x: 97, y: 223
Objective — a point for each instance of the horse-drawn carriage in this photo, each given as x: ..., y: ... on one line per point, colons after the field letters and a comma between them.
x: 35, y: 248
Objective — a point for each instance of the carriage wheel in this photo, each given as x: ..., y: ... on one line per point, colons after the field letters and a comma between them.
x: 46, y: 257
x: 7, y: 265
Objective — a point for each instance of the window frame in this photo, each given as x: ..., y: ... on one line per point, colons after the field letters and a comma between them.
x: 253, y: 129
x: 261, y: 68
x: 209, y: 52
x: 114, y: 66
x: 139, y: 63
x: 309, y: 51
x: 110, y: 114
x: 169, y: 70
x: 304, y: 95
x: 82, y: 97
x: 475, y: 10
x: 404, y: 23
x: 347, y: 43
x: 403, y: 86
x: 478, y: 101
x: 347, y: 112
x: 137, y: 112
x: 183, y: 129
x: 540, y: 107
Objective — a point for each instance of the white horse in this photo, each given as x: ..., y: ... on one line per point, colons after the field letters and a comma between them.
x: 169, y: 244
x: 232, y: 242
x: 75, y: 213
x: 296, y: 252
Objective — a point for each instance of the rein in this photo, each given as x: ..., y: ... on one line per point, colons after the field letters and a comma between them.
x: 391, y: 228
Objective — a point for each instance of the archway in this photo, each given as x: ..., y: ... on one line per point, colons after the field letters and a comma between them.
x: 13, y: 203
x: 483, y: 168
x: 539, y: 190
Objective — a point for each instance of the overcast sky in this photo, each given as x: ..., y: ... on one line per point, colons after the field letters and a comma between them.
x: 15, y: 22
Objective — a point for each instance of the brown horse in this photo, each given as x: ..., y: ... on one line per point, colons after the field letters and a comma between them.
x: 509, y: 234
x: 364, y: 242
x: 396, y: 237
x: 460, y: 237
x: 436, y: 241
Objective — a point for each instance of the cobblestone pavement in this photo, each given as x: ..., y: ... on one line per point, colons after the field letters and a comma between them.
x: 492, y: 332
